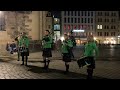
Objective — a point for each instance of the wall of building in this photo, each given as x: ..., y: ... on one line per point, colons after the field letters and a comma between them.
x: 109, y: 23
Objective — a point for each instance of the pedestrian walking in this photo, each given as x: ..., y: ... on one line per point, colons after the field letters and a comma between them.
x: 24, y: 47
x: 47, y: 49
x: 91, y: 50
x: 66, y: 45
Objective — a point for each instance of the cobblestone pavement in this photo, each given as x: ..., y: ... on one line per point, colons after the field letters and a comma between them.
x: 12, y: 69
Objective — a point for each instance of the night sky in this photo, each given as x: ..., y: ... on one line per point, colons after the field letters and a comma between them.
x: 56, y: 14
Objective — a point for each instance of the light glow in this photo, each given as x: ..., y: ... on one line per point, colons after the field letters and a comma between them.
x: 62, y: 38
x: 78, y: 30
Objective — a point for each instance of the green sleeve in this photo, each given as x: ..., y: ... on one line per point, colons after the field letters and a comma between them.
x: 27, y: 42
x: 96, y: 49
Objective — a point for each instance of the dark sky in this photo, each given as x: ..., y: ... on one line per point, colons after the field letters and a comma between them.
x: 56, y: 14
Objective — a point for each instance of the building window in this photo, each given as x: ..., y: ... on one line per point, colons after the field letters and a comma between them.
x: 91, y: 20
x: 111, y: 27
x: 114, y: 33
x: 75, y: 20
x: 68, y: 13
x: 99, y: 26
x: 64, y: 27
x: 71, y: 13
x: 85, y: 13
x: 91, y: 13
x: 78, y: 20
x: 112, y: 20
x: 107, y: 13
x: 82, y: 13
x: 107, y: 20
x: 114, y: 27
x: 68, y: 20
x: 64, y: 20
x: 85, y: 20
x: 71, y: 20
x: 111, y: 33
x: 75, y: 13
x: 100, y: 13
x: 68, y: 27
x: 100, y: 33
x: 107, y: 33
x: 100, y: 19
x: 88, y: 13
x: 88, y: 20
x: 82, y: 20
x: 78, y: 13
x: 114, y: 14
x: 75, y: 27
x: 107, y: 27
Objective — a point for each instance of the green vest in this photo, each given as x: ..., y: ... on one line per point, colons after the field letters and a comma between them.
x: 66, y: 44
x: 47, y: 41
x: 90, y: 48
x: 24, y: 40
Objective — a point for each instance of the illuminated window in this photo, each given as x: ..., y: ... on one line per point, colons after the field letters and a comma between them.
x: 64, y: 27
x: 78, y: 26
x: 91, y: 20
x: 75, y: 26
x: 99, y: 26
x: 68, y: 27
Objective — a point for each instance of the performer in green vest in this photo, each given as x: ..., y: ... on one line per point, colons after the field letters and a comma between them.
x: 24, y: 47
x: 91, y: 50
x: 66, y: 45
x: 47, y: 47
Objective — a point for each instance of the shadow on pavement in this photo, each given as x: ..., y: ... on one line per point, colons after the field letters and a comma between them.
x: 71, y: 75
